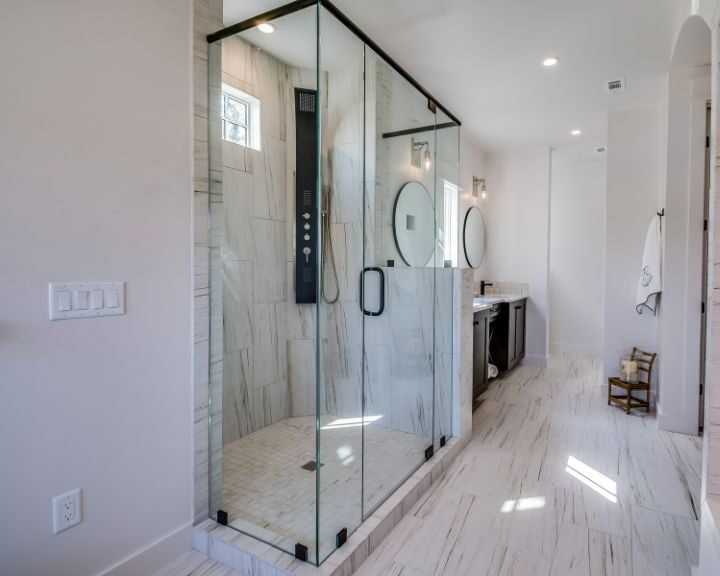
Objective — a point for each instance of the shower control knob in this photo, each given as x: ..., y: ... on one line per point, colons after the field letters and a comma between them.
x: 307, y: 237
x: 306, y: 215
x: 307, y: 252
x: 307, y: 226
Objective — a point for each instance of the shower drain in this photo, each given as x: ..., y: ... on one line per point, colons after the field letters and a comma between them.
x: 311, y: 466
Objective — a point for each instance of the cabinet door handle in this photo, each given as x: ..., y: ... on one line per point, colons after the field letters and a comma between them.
x: 518, y: 307
x: 475, y: 323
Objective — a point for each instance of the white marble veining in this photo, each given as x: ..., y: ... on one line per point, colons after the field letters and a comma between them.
x: 555, y: 482
x: 207, y: 17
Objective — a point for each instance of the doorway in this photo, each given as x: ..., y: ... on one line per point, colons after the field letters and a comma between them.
x: 704, y: 277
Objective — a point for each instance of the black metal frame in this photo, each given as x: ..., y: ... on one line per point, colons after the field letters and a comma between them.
x: 467, y: 214
x: 300, y: 5
x: 419, y: 129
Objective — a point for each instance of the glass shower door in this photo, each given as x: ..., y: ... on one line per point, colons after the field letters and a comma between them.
x: 339, y: 317
x: 397, y: 281
x: 447, y: 246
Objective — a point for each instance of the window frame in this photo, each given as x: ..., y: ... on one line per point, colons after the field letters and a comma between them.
x: 251, y: 125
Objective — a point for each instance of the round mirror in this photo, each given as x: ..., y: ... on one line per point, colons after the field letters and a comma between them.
x: 413, y: 224
x: 474, y: 237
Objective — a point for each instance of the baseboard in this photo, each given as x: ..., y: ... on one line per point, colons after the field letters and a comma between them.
x: 575, y: 348
x: 535, y: 360
x: 156, y: 555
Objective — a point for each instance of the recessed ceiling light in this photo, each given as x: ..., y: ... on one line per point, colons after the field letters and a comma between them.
x: 266, y: 27
x: 550, y: 62
x: 576, y: 132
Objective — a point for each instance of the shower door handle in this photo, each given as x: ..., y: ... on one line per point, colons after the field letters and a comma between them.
x: 381, y: 309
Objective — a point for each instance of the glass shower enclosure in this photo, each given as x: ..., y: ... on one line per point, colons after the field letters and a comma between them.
x: 333, y: 235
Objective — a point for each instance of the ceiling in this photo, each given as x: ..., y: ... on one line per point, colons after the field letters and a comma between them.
x: 483, y: 59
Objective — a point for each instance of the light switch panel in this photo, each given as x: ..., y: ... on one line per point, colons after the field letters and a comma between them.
x: 81, y: 299
x: 64, y: 300
x: 86, y: 299
x: 96, y: 299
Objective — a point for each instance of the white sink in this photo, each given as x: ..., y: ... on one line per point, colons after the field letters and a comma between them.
x: 488, y: 300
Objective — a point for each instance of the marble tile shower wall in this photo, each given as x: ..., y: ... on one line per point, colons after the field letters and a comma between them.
x: 263, y: 344
x: 207, y: 17
x: 251, y: 252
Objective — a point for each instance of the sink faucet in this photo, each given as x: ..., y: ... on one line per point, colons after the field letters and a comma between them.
x: 483, y: 285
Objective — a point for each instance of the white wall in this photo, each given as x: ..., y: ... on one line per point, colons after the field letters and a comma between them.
x: 633, y: 184
x: 680, y: 319
x: 95, y: 156
x: 577, y: 252
x: 472, y: 163
x: 517, y: 218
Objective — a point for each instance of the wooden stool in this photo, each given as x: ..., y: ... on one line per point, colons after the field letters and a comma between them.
x: 627, y: 401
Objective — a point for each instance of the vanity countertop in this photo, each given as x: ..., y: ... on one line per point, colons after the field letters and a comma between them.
x: 485, y: 302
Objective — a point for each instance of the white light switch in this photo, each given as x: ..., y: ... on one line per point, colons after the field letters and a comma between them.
x: 111, y: 298
x: 64, y: 301
x: 86, y: 299
x: 96, y: 299
x: 81, y: 299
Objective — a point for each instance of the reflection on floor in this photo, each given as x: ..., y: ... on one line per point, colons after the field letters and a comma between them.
x: 270, y: 495
x: 555, y: 482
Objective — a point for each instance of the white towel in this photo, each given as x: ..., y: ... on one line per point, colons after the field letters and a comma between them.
x: 650, y: 284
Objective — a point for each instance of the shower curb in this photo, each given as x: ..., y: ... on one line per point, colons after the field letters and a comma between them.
x: 252, y: 557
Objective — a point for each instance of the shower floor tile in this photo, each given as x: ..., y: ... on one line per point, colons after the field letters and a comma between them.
x: 269, y: 493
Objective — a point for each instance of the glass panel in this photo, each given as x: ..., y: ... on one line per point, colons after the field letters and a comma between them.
x: 235, y: 111
x: 262, y: 342
x: 447, y: 198
x: 216, y: 238
x: 234, y: 133
x: 340, y: 319
x: 399, y: 238
x: 331, y: 250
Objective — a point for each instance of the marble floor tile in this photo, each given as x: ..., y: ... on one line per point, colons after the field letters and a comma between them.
x: 494, y: 559
x: 663, y: 544
x: 195, y: 563
x: 268, y: 494
x: 609, y: 555
x: 554, y: 481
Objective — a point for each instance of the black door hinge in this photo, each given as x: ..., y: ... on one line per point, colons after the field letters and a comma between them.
x: 707, y: 142
x: 443, y: 440
x: 341, y: 538
x: 222, y: 517
x: 301, y: 552
x: 705, y: 225
x: 429, y: 453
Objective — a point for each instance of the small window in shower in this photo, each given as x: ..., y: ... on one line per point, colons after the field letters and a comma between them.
x: 240, y: 117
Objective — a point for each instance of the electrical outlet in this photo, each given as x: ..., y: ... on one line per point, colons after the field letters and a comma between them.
x: 67, y: 511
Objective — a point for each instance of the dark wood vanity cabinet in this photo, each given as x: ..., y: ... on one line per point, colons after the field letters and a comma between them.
x: 481, y: 337
x: 498, y: 336
x: 516, y: 332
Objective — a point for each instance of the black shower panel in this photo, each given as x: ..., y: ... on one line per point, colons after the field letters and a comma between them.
x: 306, y: 197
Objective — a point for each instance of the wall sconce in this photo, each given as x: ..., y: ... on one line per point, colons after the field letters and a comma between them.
x: 479, y: 187
x: 420, y: 154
